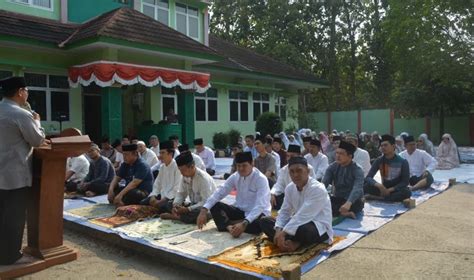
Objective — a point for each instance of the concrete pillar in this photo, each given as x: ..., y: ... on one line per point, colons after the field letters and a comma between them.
x: 64, y: 15
x: 206, y: 27
x: 111, y: 116
x: 186, y: 116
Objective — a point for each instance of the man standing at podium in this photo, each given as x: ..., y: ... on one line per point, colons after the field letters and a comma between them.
x: 21, y: 131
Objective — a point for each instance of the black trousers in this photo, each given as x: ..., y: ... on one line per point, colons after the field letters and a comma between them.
x: 98, y: 188
x: 396, y: 196
x: 191, y: 217
x: 165, y: 208
x: 223, y: 214
x: 427, y: 175
x: 279, y: 201
x: 13, y: 204
x: 337, y: 202
x: 132, y: 197
x: 306, y: 234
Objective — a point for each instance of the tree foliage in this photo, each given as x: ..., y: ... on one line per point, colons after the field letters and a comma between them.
x: 415, y: 56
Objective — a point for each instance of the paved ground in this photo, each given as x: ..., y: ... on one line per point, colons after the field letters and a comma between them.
x: 434, y: 241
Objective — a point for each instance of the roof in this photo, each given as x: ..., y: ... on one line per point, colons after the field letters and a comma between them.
x: 124, y: 24
x: 244, y: 59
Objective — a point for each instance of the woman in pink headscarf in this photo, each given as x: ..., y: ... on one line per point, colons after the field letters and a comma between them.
x: 325, y: 143
x: 448, y: 156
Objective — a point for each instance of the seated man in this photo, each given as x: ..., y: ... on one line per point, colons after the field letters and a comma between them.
x: 77, y: 169
x: 361, y: 157
x: 197, y: 159
x: 278, y: 190
x: 316, y: 159
x: 249, y: 145
x: 421, y: 164
x: 146, y: 154
x: 347, y: 178
x: 154, y: 144
x: 138, y: 179
x: 175, y: 140
x: 335, y: 140
x: 251, y: 203
x: 305, y: 217
x: 236, y: 148
x: 196, y: 184
x: 306, y: 141
x: 107, y: 150
x: 101, y: 172
x: 207, y: 156
x: 167, y: 181
x: 394, y: 171
x: 265, y: 162
x: 275, y: 155
x: 277, y: 146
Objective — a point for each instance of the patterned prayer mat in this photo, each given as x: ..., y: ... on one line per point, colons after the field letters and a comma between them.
x: 93, y: 211
x: 261, y: 256
x: 126, y: 215
x: 203, y: 243
x: 156, y: 229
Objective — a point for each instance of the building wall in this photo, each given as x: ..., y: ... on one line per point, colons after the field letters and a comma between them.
x: 15, y: 7
x: 82, y: 10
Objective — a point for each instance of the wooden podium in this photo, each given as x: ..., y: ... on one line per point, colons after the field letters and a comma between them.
x: 45, y: 210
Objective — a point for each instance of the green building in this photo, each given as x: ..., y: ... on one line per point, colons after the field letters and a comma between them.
x: 114, y: 67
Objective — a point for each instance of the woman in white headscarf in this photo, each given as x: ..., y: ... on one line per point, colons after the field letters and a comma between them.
x: 448, y: 156
x: 425, y: 144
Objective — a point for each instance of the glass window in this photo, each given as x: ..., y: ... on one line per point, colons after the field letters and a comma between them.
x: 49, y: 95
x: 280, y: 107
x: 5, y: 74
x: 261, y: 104
x: 59, y: 105
x: 206, y: 105
x: 157, y: 9
x: 36, y: 3
x: 187, y: 20
x: 169, y: 101
x: 239, y: 109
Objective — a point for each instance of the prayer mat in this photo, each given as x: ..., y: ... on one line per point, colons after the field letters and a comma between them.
x: 203, y: 243
x: 93, y: 211
x: 156, y: 229
x: 126, y: 215
x: 261, y: 256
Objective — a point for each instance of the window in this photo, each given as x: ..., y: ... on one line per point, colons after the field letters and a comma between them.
x: 206, y: 105
x: 48, y: 95
x: 280, y: 107
x: 45, y: 4
x: 187, y: 20
x: 157, y: 9
x: 169, y: 101
x: 239, y: 108
x: 261, y: 104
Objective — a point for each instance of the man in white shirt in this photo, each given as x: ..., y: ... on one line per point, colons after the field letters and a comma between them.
x: 77, y: 169
x: 249, y: 145
x: 146, y: 154
x: 196, y: 184
x: 175, y: 140
x: 278, y: 190
x: 207, y: 156
x: 167, y: 182
x: 197, y: 159
x: 251, y: 203
x: 305, y: 217
x: 361, y: 157
x: 316, y: 159
x: 155, y: 144
x: 421, y: 164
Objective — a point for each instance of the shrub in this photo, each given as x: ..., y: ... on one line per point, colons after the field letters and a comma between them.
x: 269, y: 123
x: 220, y: 140
x: 234, y: 135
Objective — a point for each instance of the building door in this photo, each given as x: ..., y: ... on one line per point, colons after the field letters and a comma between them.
x: 92, y: 102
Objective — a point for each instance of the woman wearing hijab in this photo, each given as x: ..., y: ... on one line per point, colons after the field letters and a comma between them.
x: 425, y: 144
x: 325, y: 143
x: 448, y: 156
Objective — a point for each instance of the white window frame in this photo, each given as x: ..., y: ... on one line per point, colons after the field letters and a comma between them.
x: 187, y: 15
x: 279, y: 104
x: 260, y: 102
x: 156, y: 9
x: 175, y: 97
x: 49, y: 91
x: 29, y: 3
x: 206, y: 99
x: 239, y: 103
